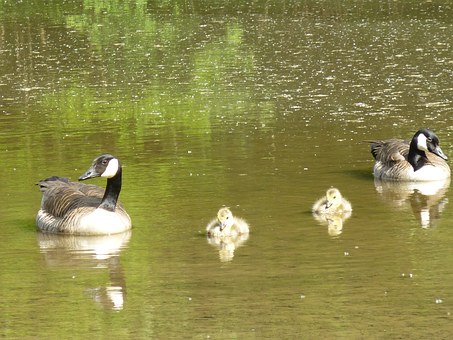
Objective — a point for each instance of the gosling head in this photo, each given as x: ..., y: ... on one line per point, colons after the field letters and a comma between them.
x: 333, y: 197
x: 103, y: 166
x: 225, y: 218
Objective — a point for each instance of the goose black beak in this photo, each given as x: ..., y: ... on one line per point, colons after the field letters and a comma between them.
x: 438, y: 151
x: 90, y: 173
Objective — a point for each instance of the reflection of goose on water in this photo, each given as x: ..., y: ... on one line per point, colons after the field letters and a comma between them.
x: 225, y: 224
x: 87, y: 252
x: 76, y: 208
x: 426, y: 199
x: 420, y: 160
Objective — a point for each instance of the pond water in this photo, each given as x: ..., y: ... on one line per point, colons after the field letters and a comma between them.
x: 260, y: 107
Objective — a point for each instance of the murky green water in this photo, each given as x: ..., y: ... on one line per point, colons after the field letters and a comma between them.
x: 260, y: 107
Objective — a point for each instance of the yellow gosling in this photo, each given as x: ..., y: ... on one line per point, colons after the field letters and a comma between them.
x: 332, y: 203
x: 225, y: 224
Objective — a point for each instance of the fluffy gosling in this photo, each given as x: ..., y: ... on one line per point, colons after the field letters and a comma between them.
x: 332, y: 203
x: 225, y: 224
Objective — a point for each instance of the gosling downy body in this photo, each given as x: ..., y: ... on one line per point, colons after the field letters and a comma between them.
x: 421, y: 159
x: 225, y: 224
x: 331, y: 204
x: 76, y: 208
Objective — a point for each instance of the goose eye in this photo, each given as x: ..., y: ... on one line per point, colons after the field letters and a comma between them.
x: 104, y: 162
x: 429, y: 139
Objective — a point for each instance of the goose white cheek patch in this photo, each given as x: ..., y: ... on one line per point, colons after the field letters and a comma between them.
x: 421, y: 142
x: 111, y: 169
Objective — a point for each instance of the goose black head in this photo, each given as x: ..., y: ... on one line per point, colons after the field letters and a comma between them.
x: 426, y: 141
x: 103, y: 166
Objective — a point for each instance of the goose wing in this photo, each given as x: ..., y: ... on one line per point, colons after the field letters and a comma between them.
x: 60, y: 196
x: 390, y: 151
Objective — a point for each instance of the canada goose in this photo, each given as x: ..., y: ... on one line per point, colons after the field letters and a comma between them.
x: 332, y: 203
x: 420, y: 160
x: 76, y: 208
x: 226, y: 224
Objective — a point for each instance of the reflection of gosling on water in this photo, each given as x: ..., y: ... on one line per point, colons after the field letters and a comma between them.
x: 226, y: 224
x: 332, y: 203
x: 334, y: 222
x: 227, y: 245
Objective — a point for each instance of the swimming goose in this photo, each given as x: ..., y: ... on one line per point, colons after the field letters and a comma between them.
x: 420, y: 160
x: 225, y: 224
x: 76, y: 208
x: 331, y: 204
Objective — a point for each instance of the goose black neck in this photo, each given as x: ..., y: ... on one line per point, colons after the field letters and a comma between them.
x: 416, y: 157
x: 112, y: 191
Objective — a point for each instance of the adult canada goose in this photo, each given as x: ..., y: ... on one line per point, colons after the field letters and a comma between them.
x: 76, y: 208
x: 225, y: 224
x: 331, y: 204
x: 421, y: 159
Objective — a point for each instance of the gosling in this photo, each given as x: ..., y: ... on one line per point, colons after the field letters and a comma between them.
x: 225, y: 224
x: 332, y: 203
